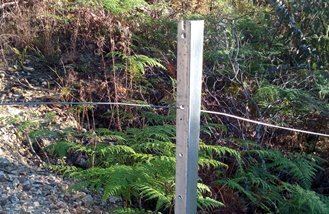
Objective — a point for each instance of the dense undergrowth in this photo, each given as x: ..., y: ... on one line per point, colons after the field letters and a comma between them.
x: 264, y: 60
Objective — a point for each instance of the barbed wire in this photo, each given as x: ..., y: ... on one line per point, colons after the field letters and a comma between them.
x: 36, y: 103
x: 265, y: 124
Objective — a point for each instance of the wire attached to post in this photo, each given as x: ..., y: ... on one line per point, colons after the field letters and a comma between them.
x: 36, y: 103
x: 265, y: 124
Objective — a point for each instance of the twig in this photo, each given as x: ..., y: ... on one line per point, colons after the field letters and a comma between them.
x: 7, y: 4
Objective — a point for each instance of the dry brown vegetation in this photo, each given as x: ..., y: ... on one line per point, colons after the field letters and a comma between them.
x: 258, y: 64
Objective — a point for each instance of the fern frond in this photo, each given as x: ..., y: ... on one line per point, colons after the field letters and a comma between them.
x: 109, y: 150
x: 211, y: 128
x: 61, y: 148
x: 138, y: 63
x: 142, y: 157
x: 162, y: 169
x: 304, y: 201
x: 115, y: 180
x: 157, y: 119
x: 110, y: 135
x: 64, y: 170
x: 203, y: 189
x: 235, y: 184
x: 208, y: 203
x: 219, y: 150
x: 156, y: 147
x: 163, y: 133
x: 210, y: 163
x: 302, y: 168
x: 44, y: 133
x: 149, y: 193
x: 131, y: 211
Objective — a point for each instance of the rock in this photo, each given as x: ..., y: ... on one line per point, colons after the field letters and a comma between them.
x: 114, y: 200
x: 12, y: 69
x: 15, y: 182
x: 27, y: 186
x: 14, y: 111
x: 27, y: 68
x: 3, y: 176
x: 79, y: 195
x: 24, y: 196
x: 88, y: 200
x: 3, y: 202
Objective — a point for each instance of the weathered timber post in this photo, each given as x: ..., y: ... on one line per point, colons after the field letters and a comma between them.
x: 189, y: 78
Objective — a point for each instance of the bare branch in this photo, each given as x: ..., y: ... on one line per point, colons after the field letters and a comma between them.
x: 7, y: 4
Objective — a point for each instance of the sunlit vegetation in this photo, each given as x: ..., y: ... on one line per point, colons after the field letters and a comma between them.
x: 263, y: 60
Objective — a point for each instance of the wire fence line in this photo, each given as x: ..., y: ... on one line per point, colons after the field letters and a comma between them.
x: 161, y: 107
x: 265, y: 124
x: 87, y: 103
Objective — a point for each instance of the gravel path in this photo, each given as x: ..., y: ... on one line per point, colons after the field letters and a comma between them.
x: 26, y: 187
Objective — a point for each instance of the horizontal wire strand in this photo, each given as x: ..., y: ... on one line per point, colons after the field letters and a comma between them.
x: 265, y: 124
x: 86, y: 103
x: 160, y: 107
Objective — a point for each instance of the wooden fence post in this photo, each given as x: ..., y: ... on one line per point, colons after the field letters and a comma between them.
x: 189, y: 79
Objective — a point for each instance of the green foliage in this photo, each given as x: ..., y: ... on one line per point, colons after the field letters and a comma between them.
x: 157, y: 119
x: 115, y: 6
x: 211, y: 128
x: 139, y: 164
x: 131, y: 211
x: 252, y: 55
x: 300, y: 200
x: 137, y: 63
x: 322, y: 84
x: 62, y: 169
x: 265, y: 176
x: 44, y: 133
x: 165, y: 133
x: 208, y: 203
x: 212, y: 151
x: 60, y: 149
x: 302, y: 168
x: 289, y: 100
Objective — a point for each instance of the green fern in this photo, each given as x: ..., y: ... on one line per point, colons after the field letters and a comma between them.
x: 158, y: 119
x: 302, y: 168
x: 63, y: 169
x: 156, y: 147
x: 137, y: 63
x: 60, y: 149
x: 44, y: 133
x: 210, y: 163
x: 207, y: 203
x: 115, y: 180
x: 264, y: 175
x: 211, y: 128
x: 149, y: 193
x: 110, y: 135
x: 165, y: 133
x: 140, y: 163
x: 115, y: 6
x: 288, y: 100
x: 301, y: 200
x: 203, y: 189
x: 221, y: 151
x: 131, y: 211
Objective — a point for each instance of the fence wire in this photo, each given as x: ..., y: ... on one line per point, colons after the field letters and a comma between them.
x: 160, y: 107
x: 265, y: 124
x: 87, y: 103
